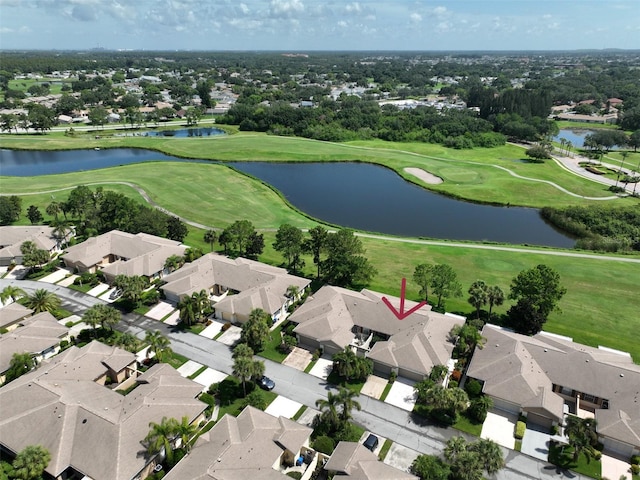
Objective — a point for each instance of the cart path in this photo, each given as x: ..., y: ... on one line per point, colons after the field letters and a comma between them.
x: 415, y: 241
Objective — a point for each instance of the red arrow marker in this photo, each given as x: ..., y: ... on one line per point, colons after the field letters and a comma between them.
x: 401, y: 315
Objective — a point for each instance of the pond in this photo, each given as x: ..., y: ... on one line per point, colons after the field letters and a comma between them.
x: 355, y: 195
x: 575, y: 136
x: 185, y: 132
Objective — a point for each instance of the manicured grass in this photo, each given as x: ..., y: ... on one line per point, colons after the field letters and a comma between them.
x: 464, y: 424
x: 468, y: 174
x: 271, y: 351
x: 386, y: 391
x: 176, y: 360
x: 385, y: 449
x: 299, y: 413
x: 563, y: 457
x: 197, y: 372
x: 518, y: 446
x: 196, y: 328
x: 600, y: 307
x: 310, y: 366
x: 354, y: 385
x: 81, y: 288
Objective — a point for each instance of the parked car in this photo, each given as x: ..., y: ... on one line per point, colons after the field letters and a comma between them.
x: 266, y: 383
x: 115, y: 294
x: 371, y: 442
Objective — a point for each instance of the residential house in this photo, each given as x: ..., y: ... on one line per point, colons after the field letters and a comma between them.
x: 39, y: 336
x: 90, y: 430
x: 12, y: 314
x: 335, y: 318
x: 354, y: 460
x: 547, y: 376
x: 575, y: 117
x: 120, y: 253
x: 236, y: 286
x: 253, y: 445
x: 12, y: 238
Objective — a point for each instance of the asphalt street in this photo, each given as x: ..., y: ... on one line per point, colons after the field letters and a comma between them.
x: 383, y: 419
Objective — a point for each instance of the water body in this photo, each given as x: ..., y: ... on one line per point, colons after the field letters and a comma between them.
x: 186, y: 132
x: 374, y: 198
x: 355, y: 195
x: 575, y: 136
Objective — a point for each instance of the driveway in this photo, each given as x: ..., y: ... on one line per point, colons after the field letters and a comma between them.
x: 400, y: 457
x: 499, y: 427
x: 374, y: 386
x: 322, y: 368
x: 56, y: 276
x: 189, y: 368
x: 536, y: 442
x: 98, y: 290
x: 231, y: 336
x: 299, y: 358
x: 160, y: 311
x: 402, y: 394
x: 173, y: 319
x: 283, y: 407
x: 212, y: 330
x: 208, y: 377
x: 614, y: 468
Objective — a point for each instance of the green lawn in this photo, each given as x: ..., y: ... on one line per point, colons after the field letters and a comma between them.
x: 355, y: 385
x: 176, y: 360
x: 469, y: 174
x: 563, y: 457
x: 600, y: 307
x: 464, y: 424
x: 271, y: 351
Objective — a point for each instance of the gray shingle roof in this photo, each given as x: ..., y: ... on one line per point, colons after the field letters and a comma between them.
x: 356, y: 462
x: 86, y: 425
x: 523, y: 369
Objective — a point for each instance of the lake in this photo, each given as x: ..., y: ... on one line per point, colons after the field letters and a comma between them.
x: 355, y: 195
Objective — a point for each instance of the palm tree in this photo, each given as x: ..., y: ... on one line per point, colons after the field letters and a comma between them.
x: 329, y: 410
x: 495, y: 296
x: 187, y: 309
x: 172, y: 263
x: 489, y: 454
x: 344, y: 362
x: 242, y: 350
x: 158, y: 344
x: 201, y: 303
x: 30, y: 462
x: 569, y: 147
x: 43, y: 301
x: 582, y: 436
x: 624, y: 157
x: 478, y: 295
x: 53, y: 209
x: 292, y: 292
x: 185, y: 431
x: 454, y: 447
x: 244, y: 369
x: 11, y: 292
x: 161, y: 437
x: 210, y: 237
x: 346, y: 398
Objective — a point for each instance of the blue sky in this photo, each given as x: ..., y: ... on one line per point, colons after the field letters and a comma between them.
x: 320, y: 25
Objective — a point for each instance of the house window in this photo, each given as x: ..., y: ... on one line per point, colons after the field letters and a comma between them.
x: 589, y: 398
x: 567, y: 391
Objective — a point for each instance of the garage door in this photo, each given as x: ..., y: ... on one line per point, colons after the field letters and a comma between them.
x: 506, y: 406
x: 539, y: 420
x: 615, y: 446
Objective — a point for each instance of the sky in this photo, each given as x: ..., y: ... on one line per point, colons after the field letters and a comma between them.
x: 302, y: 25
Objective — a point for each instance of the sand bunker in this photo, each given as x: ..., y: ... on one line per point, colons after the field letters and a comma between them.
x: 423, y: 175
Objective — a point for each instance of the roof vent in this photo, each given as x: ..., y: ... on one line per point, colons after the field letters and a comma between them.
x: 587, y: 360
x: 545, y: 349
x: 497, y: 344
x: 621, y: 375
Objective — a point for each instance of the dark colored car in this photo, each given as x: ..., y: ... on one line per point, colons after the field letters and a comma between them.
x: 266, y: 383
x: 371, y: 442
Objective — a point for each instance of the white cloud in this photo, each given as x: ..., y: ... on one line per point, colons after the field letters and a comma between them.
x: 286, y: 8
x: 415, y: 17
x: 440, y: 11
x: 353, y: 7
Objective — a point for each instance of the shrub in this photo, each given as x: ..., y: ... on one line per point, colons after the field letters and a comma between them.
x: 393, y: 376
x: 473, y: 388
x: 635, y: 469
x: 213, y: 389
x: 3, y: 331
x: 520, y: 429
x: 226, y: 326
x: 64, y: 344
x: 324, y: 444
x: 69, y: 324
x: 296, y: 475
x: 635, y: 460
x: 455, y: 375
x: 453, y: 384
x: 208, y: 399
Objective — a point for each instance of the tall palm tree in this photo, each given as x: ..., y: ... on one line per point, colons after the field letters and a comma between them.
x: 624, y: 157
x: 346, y: 399
x: 161, y: 437
x: 30, y: 462
x: 43, y: 301
x: 201, y: 303
x: 329, y: 410
x: 478, y: 295
x: 244, y: 369
x: 495, y: 296
x: 53, y: 209
x: 210, y: 237
x: 158, y: 344
x: 582, y: 436
x: 344, y: 362
x: 12, y: 292
x: 292, y: 292
x: 454, y: 448
x: 187, y: 309
x: 242, y: 350
x: 185, y: 431
x: 489, y: 454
